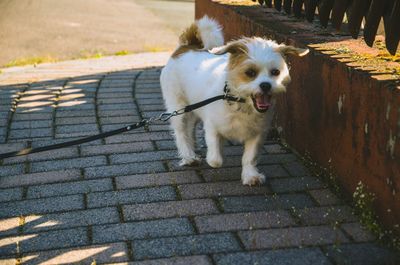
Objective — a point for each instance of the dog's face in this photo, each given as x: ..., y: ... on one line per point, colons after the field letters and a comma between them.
x: 257, y: 69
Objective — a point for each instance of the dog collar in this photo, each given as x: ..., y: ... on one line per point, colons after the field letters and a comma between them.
x: 229, y: 97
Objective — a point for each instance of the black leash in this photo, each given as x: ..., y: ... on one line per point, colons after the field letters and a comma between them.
x: 162, y: 117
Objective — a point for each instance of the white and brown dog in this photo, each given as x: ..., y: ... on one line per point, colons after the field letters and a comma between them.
x: 253, y: 69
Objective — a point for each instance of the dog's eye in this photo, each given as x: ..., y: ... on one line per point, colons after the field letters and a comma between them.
x: 251, y: 73
x: 275, y: 72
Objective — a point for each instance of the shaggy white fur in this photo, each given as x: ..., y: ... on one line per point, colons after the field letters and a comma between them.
x: 253, y: 68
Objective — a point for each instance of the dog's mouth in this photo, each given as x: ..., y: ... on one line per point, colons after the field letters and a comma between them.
x: 262, y: 102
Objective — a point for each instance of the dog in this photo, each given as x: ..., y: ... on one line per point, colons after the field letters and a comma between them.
x: 253, y: 69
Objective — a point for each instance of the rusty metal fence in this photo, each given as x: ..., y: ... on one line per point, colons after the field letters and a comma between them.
x: 366, y: 14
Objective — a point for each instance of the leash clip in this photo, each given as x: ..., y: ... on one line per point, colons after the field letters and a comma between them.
x: 168, y: 115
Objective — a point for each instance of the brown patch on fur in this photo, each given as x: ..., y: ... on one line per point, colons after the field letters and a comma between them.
x: 287, y: 49
x: 189, y: 40
x: 238, y: 74
x: 191, y: 36
x: 237, y: 64
x: 184, y: 49
x: 238, y: 51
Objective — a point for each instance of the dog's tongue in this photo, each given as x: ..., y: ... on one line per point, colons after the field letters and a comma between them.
x: 263, y: 101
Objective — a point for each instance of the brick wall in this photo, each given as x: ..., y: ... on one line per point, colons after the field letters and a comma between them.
x: 346, y: 119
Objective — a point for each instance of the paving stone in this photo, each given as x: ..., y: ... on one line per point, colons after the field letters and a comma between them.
x: 81, y: 162
x: 47, y: 155
x: 154, y: 107
x: 124, y: 119
x: 74, y: 113
x: 156, y: 179
x: 142, y: 157
x: 10, y: 194
x: 296, y: 184
x: 6, y: 171
x: 326, y: 215
x: 101, y: 199
x: 115, y: 95
x: 218, y: 189
x: 124, y: 169
x: 38, y: 206
x: 38, y: 107
x: 45, y: 240
x: 150, y: 101
x: 116, y: 148
x: 9, y: 226
x: 243, y: 221
x: 148, y: 95
x: 265, y: 203
x: 292, y: 237
x: 363, y: 254
x: 198, y: 260
x: 277, y: 158
x: 39, y: 178
x: 73, y: 97
x: 114, y: 100
x: 108, y: 253
x: 169, y: 209
x: 31, y: 133
x: 117, y: 106
x: 142, y: 230
x: 76, y: 105
x: 166, y: 145
x: 118, y: 113
x: 98, y: 216
x: 297, y: 169
x: 185, y: 245
x: 357, y: 232
x: 324, y: 197
x: 68, y: 129
x: 160, y: 128
x: 75, y: 120
x: 49, y: 141
x: 275, y: 149
x: 32, y: 116
x: 8, y: 261
x: 148, y: 87
x: 221, y: 174
x: 306, y: 256
x: 69, y: 188
x: 31, y: 124
x: 152, y: 136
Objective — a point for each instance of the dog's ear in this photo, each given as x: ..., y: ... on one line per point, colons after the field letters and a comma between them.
x: 287, y: 49
x: 234, y: 47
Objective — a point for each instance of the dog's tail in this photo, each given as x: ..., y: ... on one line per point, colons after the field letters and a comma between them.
x: 205, y: 34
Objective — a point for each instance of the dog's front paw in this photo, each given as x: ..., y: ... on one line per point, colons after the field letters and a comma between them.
x: 214, y: 161
x: 252, y: 177
x: 190, y: 161
x: 254, y: 180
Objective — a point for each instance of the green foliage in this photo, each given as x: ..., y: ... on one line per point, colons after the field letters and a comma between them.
x: 363, y: 205
x: 363, y: 201
x: 30, y: 61
x: 122, y: 52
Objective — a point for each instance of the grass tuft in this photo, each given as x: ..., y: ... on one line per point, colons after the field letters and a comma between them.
x: 122, y: 52
x: 30, y: 61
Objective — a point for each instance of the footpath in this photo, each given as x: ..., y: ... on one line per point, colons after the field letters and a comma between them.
x: 125, y: 200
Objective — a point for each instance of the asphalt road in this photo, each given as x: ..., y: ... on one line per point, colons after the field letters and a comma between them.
x: 66, y: 29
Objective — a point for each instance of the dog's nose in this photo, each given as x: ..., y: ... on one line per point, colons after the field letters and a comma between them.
x: 265, y: 87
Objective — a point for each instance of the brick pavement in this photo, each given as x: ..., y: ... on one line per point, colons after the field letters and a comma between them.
x: 125, y: 200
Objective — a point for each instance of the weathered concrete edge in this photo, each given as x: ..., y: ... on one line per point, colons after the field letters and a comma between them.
x: 340, y: 117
